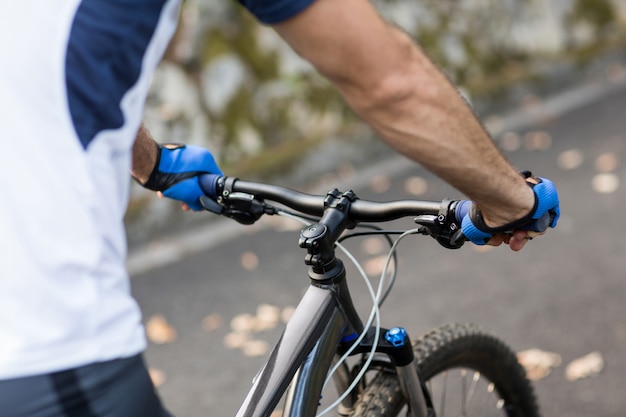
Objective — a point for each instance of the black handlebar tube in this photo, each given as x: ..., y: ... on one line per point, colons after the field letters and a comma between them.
x: 305, y: 203
x: 360, y: 210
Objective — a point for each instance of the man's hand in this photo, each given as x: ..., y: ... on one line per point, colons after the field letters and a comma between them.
x: 545, y: 213
x: 176, y: 172
x: 515, y: 240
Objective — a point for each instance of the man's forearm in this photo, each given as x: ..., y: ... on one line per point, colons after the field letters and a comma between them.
x: 425, y: 118
x: 393, y: 86
x: 145, y: 151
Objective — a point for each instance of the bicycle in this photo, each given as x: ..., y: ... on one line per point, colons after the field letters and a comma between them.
x: 325, y: 328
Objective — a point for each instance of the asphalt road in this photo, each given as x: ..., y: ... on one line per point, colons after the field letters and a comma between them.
x: 565, y: 293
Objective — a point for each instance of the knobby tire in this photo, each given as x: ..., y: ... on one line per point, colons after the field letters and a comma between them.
x: 449, y: 347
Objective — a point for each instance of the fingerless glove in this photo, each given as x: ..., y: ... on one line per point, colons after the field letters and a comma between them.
x: 544, y: 214
x: 176, y: 172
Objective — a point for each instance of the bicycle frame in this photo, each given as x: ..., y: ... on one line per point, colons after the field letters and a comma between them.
x: 308, y: 343
x: 325, y: 321
x: 306, y: 350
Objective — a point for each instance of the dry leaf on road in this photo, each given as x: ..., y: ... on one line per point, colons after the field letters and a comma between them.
x: 586, y: 366
x: 157, y: 376
x: 267, y: 317
x: 254, y: 348
x: 538, y: 363
x: 243, y: 323
x: 236, y: 340
x: 212, y: 322
x: 159, y: 331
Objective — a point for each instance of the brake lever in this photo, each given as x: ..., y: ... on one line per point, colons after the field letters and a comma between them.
x: 211, y: 205
x: 443, y: 227
x: 241, y: 207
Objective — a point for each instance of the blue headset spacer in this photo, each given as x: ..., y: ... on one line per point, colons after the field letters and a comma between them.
x: 349, y: 338
x: 396, y: 336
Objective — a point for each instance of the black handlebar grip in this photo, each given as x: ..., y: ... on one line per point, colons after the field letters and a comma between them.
x: 208, y: 184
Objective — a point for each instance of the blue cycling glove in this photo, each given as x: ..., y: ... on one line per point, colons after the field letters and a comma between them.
x: 176, y: 172
x: 544, y: 214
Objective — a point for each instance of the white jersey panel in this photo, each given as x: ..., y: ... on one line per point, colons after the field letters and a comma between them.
x: 64, y: 293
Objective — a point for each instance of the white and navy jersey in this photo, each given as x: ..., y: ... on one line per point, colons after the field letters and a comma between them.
x: 73, y: 81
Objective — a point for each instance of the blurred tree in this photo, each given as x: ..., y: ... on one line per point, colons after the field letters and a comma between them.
x: 251, y: 82
x: 235, y: 86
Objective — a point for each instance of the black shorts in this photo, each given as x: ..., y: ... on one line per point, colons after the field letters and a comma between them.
x: 118, y: 388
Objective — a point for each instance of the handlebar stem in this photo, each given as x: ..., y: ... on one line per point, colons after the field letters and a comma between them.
x: 319, y: 239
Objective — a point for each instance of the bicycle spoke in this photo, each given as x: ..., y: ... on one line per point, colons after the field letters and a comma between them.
x: 472, y: 389
x: 490, y: 389
x: 463, y: 392
x: 444, y: 389
x: 469, y: 393
x: 499, y: 407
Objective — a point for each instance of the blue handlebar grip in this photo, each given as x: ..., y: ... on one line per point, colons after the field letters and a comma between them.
x: 542, y: 223
x: 208, y: 184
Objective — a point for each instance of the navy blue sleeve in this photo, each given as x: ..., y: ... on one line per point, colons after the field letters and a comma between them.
x: 275, y: 11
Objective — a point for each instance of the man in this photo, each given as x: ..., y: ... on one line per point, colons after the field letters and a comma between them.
x: 73, y: 85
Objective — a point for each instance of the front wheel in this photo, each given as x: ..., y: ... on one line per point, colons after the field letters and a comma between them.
x: 468, y: 373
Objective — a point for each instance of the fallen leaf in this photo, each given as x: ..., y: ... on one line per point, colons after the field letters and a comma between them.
x: 538, y: 363
x: 249, y: 261
x: 243, y: 323
x: 212, y: 322
x: 605, y: 183
x: 159, y: 331
x: 570, y: 159
x: 416, y: 186
x: 236, y: 340
x: 157, y: 376
x: 586, y: 366
x: 253, y: 348
x: 267, y: 317
x: 607, y: 162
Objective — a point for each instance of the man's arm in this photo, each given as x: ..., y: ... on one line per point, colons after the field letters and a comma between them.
x: 145, y: 154
x: 392, y: 85
x: 171, y: 169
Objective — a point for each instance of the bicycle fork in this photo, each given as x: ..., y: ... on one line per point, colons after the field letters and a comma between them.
x: 413, y: 388
x: 396, y: 345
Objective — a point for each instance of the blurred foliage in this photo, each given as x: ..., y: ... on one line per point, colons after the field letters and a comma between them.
x: 278, y: 106
x: 274, y: 109
x: 598, y: 17
x: 469, y: 40
x: 480, y: 44
x: 599, y: 13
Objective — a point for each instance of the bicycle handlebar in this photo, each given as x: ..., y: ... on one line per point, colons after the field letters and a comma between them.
x: 360, y: 210
x: 245, y: 202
